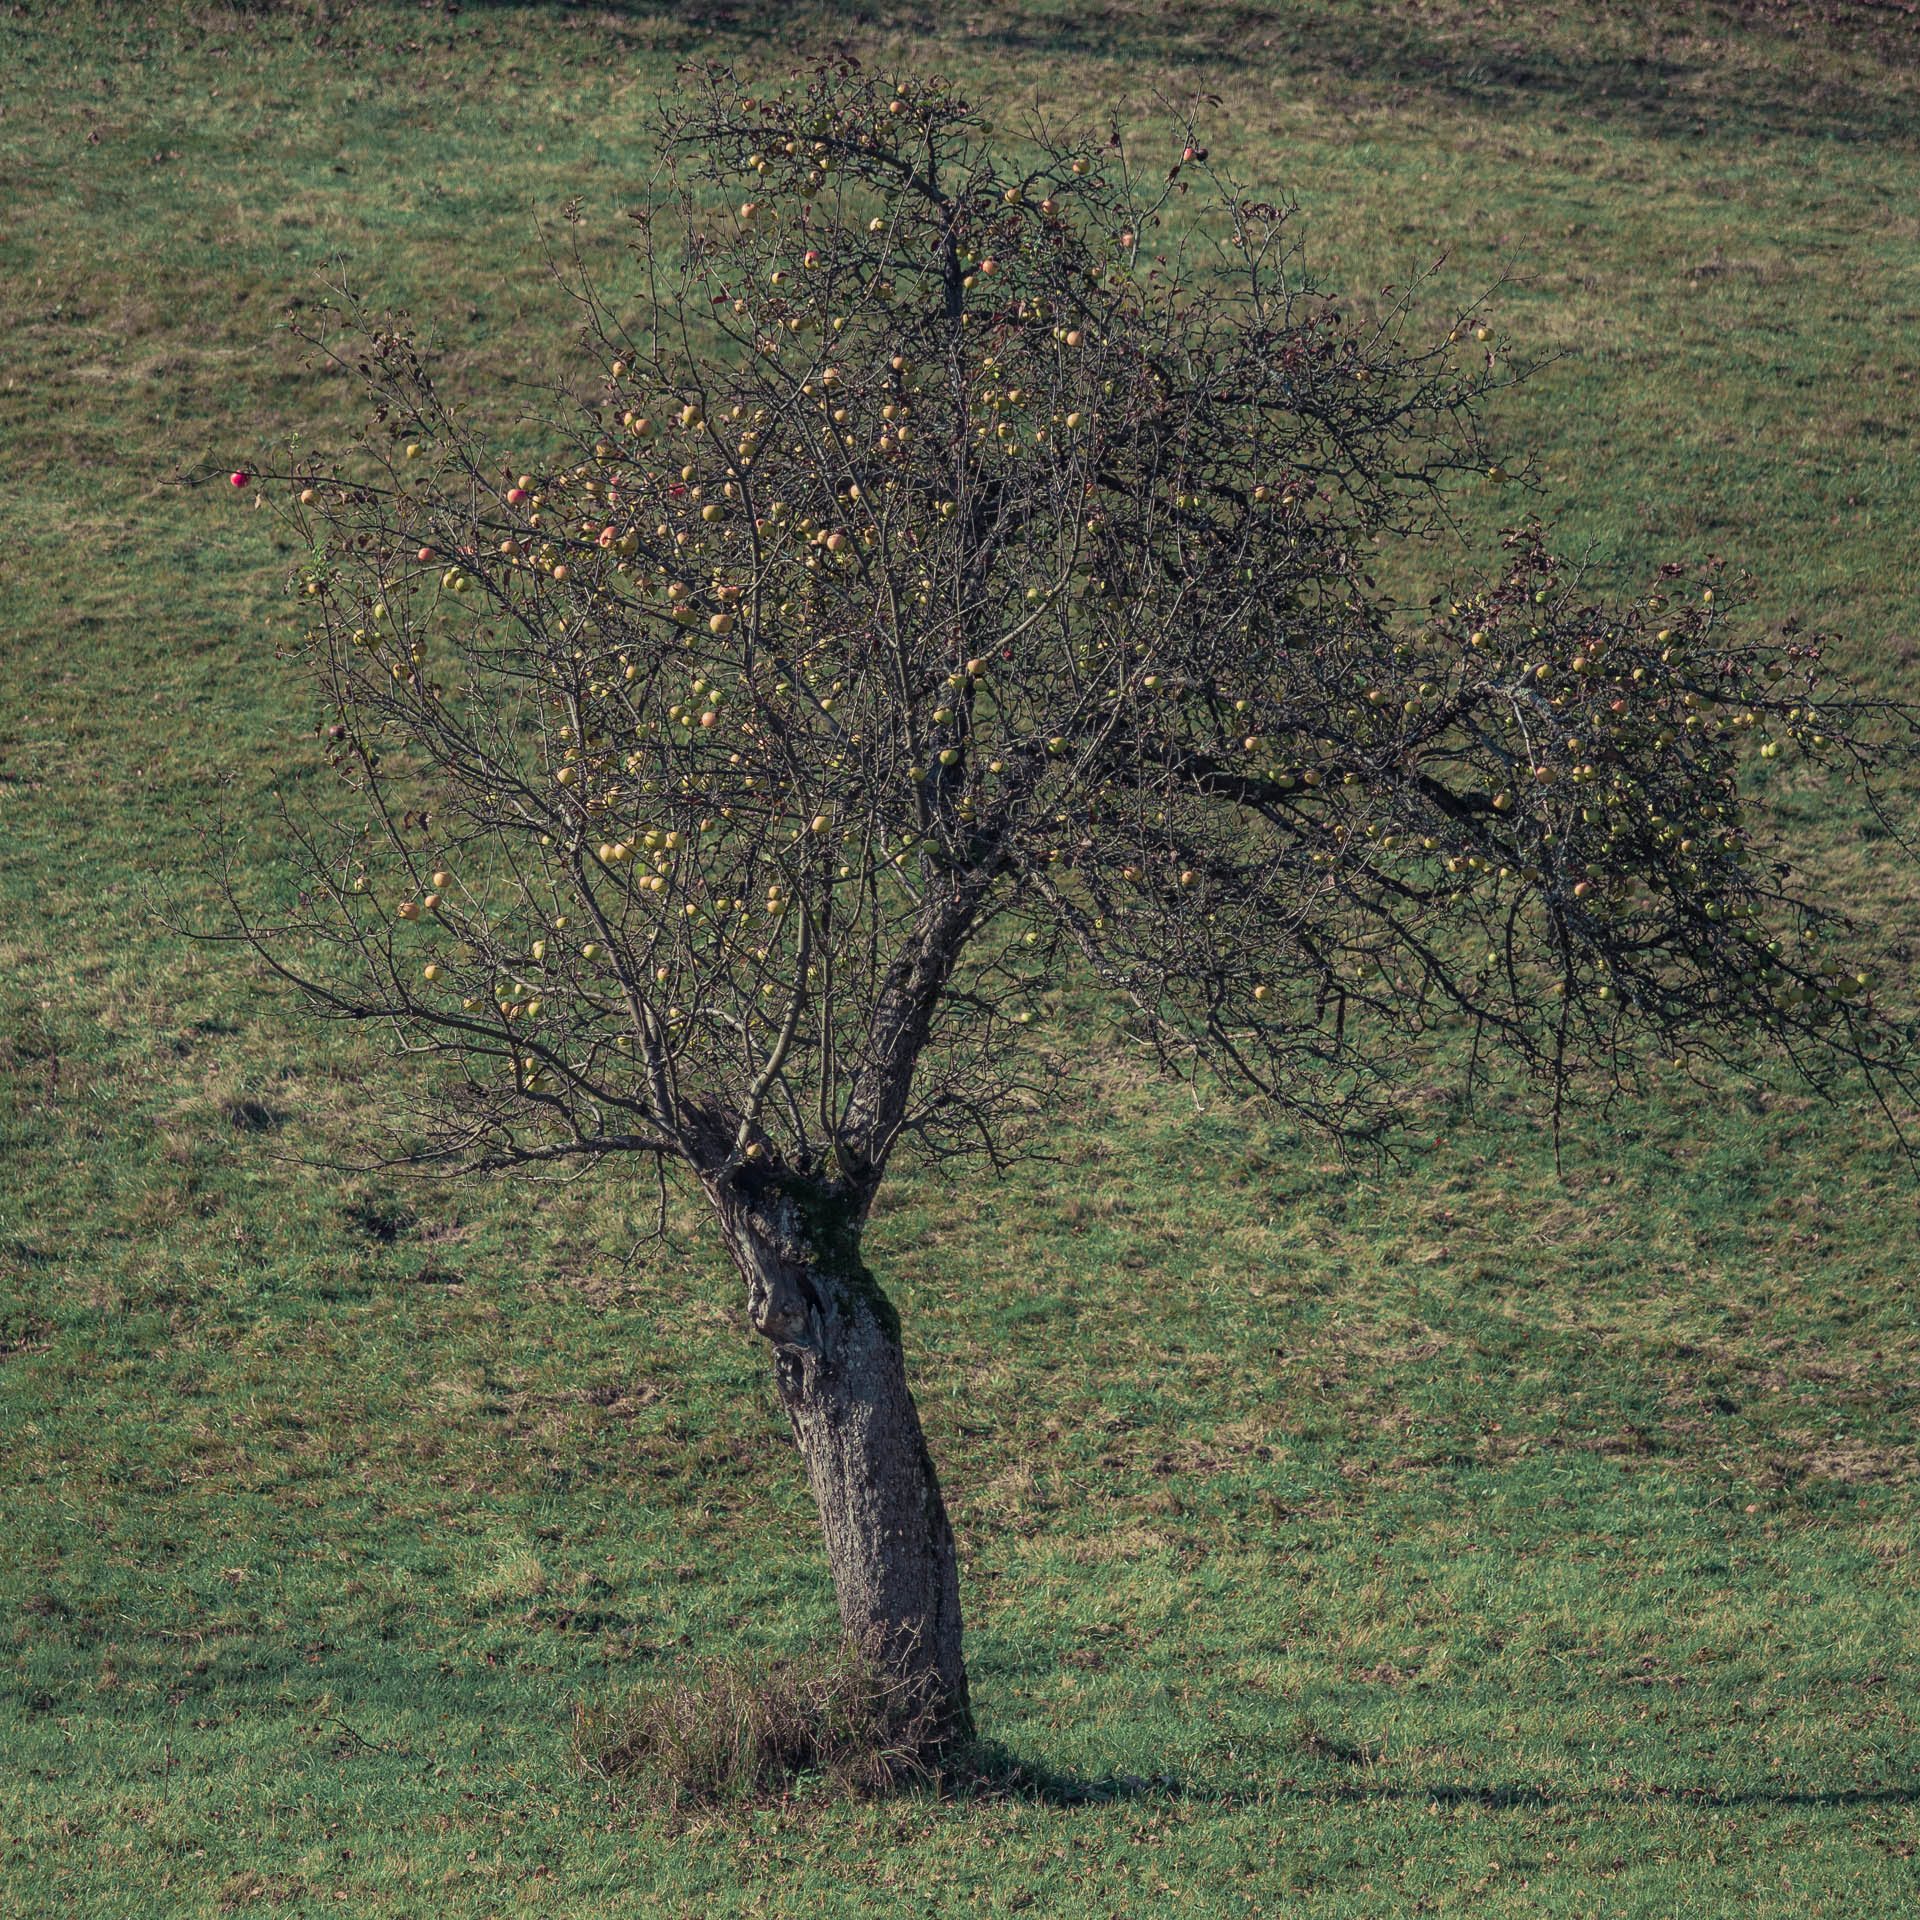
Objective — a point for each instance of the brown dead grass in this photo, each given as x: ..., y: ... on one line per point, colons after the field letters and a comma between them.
x: 729, y: 1733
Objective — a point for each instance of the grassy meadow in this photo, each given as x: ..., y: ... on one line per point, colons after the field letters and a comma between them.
x: 1466, y: 1536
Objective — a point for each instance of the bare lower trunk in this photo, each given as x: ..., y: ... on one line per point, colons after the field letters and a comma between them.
x: 842, y: 1379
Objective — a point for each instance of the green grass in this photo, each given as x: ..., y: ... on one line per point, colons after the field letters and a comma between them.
x: 1459, y: 1537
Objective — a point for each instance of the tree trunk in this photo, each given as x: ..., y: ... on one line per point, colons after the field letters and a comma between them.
x: 842, y: 1378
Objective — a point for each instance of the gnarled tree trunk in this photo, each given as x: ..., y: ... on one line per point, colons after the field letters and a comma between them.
x: 842, y: 1379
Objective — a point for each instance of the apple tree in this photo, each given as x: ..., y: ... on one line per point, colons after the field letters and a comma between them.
x: 945, y: 578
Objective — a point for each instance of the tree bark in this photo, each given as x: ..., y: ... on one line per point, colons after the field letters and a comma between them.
x: 842, y: 1378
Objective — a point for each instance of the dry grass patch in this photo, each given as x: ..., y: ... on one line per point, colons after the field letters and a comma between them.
x: 737, y: 1733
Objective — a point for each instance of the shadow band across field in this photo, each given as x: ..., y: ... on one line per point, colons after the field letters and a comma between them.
x: 1678, y: 90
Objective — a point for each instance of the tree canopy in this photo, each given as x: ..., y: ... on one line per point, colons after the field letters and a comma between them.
x: 958, y: 573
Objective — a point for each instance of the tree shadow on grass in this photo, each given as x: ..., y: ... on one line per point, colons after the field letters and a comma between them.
x: 990, y: 1770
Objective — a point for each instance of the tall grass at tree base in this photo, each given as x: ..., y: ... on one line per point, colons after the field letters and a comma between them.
x: 734, y: 1732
